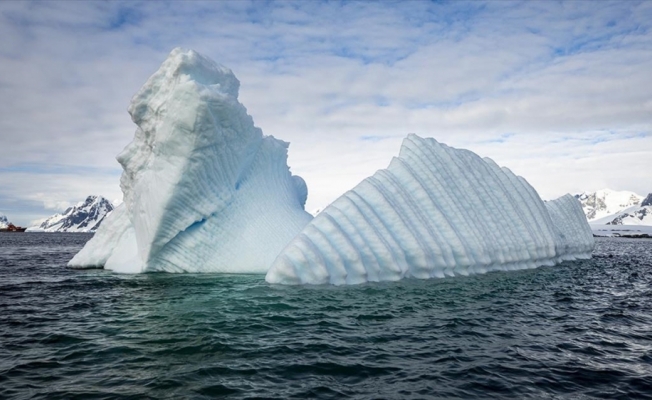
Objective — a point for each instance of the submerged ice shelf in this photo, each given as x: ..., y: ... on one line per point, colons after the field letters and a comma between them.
x: 205, y: 191
x: 435, y: 211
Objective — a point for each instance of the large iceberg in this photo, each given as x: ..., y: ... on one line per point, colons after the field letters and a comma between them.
x: 204, y: 190
x: 436, y: 211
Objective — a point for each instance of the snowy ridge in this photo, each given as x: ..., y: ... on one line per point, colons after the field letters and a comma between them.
x: 634, y: 215
x: 204, y: 190
x: 405, y: 221
x: 85, y: 216
x: 629, y: 216
x: 602, y: 203
x: 647, y: 201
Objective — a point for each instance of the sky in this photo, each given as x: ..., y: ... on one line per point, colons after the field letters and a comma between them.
x: 559, y: 92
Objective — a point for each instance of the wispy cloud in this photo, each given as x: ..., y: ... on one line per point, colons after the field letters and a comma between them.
x: 557, y: 91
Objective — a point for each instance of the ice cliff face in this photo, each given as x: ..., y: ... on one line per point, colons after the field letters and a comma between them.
x: 204, y: 190
x: 406, y: 221
x: 86, y: 216
x: 605, y: 202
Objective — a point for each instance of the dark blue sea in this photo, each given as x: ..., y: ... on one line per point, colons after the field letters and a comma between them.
x: 579, y: 330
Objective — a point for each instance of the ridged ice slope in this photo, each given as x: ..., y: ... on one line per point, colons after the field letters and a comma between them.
x: 204, y: 190
x: 407, y: 221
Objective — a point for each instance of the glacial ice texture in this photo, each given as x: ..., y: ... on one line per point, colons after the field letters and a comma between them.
x: 435, y: 211
x: 204, y: 190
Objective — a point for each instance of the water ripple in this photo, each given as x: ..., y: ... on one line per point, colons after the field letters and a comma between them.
x: 580, y: 330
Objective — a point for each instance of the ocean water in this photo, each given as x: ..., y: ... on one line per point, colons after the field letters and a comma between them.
x: 579, y: 330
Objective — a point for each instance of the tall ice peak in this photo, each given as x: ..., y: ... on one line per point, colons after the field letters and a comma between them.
x: 181, y: 67
x: 203, y: 188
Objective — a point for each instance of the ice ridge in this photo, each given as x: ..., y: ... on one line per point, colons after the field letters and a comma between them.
x: 407, y: 221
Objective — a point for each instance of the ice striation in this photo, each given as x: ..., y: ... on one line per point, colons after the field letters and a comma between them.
x: 204, y: 190
x: 406, y: 221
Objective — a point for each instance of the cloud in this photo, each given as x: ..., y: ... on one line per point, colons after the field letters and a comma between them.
x: 557, y: 91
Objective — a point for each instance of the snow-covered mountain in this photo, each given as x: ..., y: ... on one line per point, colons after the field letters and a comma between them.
x: 3, y: 221
x: 603, y: 203
x: 635, y: 215
x: 86, y: 216
x: 631, y: 216
x: 647, y: 201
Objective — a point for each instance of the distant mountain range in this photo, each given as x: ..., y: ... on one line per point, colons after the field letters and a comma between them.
x: 602, y: 207
x: 610, y: 207
x: 86, y: 216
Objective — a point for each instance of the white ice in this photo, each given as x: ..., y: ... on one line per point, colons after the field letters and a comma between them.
x: 435, y: 211
x: 204, y: 190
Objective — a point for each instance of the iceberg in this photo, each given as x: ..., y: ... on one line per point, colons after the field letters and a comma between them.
x: 436, y: 211
x: 204, y: 190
